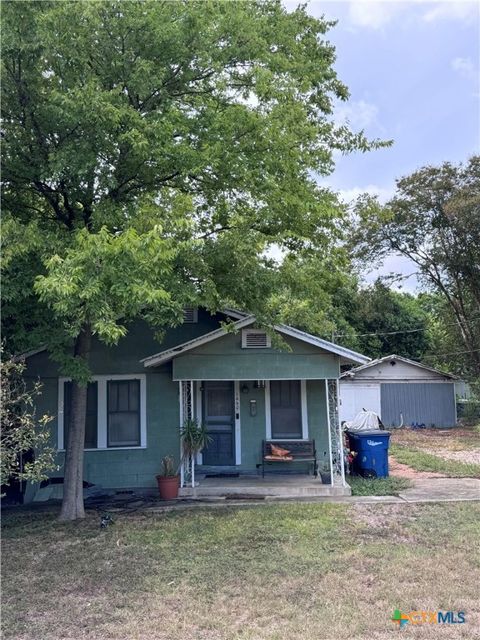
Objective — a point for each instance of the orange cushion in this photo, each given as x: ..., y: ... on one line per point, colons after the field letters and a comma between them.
x: 278, y: 451
x: 283, y: 458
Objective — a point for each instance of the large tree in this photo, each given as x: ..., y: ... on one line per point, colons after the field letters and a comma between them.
x: 434, y: 220
x: 152, y: 153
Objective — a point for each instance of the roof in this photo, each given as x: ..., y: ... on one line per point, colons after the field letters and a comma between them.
x: 373, y: 363
x: 164, y: 356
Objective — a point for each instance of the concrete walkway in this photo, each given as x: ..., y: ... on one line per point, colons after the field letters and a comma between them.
x: 424, y: 490
x: 442, y: 490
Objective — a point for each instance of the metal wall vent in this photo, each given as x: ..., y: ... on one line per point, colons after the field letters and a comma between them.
x: 255, y: 339
x: 190, y: 315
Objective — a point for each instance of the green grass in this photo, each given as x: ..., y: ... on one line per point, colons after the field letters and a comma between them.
x: 268, y: 572
x: 378, y: 486
x: 422, y: 461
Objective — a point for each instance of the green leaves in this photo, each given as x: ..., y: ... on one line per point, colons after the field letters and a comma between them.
x: 160, y: 150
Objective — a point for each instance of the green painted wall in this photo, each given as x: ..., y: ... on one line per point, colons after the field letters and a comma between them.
x: 224, y: 359
x: 252, y: 428
x: 128, y: 467
x: 116, y: 468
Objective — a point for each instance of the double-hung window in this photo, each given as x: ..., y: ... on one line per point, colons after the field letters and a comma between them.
x: 91, y: 423
x: 123, y: 413
x: 116, y: 412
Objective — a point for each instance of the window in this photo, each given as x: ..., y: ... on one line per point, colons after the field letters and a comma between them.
x: 286, y: 409
x: 255, y: 339
x: 91, y: 425
x: 123, y: 413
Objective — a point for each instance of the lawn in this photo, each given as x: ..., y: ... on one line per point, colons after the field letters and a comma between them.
x: 276, y: 572
x: 390, y: 486
x: 452, y: 452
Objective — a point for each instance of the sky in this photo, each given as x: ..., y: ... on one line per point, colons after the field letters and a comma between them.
x: 413, y: 71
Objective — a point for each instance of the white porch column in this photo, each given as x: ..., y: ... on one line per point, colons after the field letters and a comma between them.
x: 180, y: 402
x: 335, y: 434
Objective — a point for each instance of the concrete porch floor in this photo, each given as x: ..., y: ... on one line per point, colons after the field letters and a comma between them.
x: 286, y: 486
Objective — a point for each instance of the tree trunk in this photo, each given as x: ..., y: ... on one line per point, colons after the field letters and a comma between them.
x: 72, y: 503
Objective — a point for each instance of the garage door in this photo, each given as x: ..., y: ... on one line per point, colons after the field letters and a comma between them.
x: 424, y: 403
x: 356, y: 397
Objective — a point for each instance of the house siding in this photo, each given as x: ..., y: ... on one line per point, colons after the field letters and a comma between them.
x: 130, y: 468
x: 432, y: 404
x: 224, y: 359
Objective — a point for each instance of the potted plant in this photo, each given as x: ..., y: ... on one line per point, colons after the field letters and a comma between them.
x: 168, y: 480
x: 195, y: 438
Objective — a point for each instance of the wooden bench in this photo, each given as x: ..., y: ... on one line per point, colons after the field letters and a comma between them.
x: 300, y: 451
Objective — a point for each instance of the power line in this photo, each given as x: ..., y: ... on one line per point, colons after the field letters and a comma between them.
x: 390, y: 333
x: 452, y: 353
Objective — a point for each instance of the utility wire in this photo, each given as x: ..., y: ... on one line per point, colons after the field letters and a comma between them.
x: 452, y: 353
x: 389, y: 333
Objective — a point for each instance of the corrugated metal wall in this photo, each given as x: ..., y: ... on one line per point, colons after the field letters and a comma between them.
x: 430, y: 403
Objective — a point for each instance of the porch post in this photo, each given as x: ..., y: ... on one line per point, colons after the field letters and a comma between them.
x: 180, y: 400
x: 336, y: 435
x: 340, y: 433
x: 327, y: 405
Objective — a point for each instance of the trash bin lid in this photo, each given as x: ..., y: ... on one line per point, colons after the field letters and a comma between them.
x: 369, y: 434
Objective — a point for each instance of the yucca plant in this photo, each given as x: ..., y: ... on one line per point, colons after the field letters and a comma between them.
x: 195, y: 438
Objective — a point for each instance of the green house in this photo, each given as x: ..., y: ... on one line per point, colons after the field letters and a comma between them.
x: 218, y: 369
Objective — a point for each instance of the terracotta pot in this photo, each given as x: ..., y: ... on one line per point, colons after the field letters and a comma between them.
x: 168, y: 487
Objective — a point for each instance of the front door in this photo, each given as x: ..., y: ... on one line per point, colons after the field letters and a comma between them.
x: 218, y: 416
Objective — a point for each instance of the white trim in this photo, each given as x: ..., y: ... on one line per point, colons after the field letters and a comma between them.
x: 236, y: 408
x: 348, y: 354
x: 163, y: 356
x: 340, y: 435
x: 329, y: 434
x: 373, y: 363
x: 343, y: 352
x: 102, y: 410
x: 60, y: 414
x: 303, y: 409
x: 268, y: 412
x: 28, y: 354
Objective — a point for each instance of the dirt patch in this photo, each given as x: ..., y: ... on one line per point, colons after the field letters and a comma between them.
x: 400, y: 470
x: 469, y: 456
x: 436, y: 440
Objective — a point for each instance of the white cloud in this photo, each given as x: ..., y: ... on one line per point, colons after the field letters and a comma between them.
x: 398, y: 265
x: 463, y: 10
x: 383, y: 193
x: 373, y: 14
x: 465, y: 68
x: 359, y: 114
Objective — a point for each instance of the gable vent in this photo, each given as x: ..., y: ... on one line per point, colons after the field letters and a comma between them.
x: 190, y: 315
x: 255, y: 339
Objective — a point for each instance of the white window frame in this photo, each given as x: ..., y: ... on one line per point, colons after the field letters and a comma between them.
x: 247, y: 332
x: 304, y: 412
x: 102, y: 413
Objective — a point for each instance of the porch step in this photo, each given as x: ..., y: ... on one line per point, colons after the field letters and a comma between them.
x: 263, y: 488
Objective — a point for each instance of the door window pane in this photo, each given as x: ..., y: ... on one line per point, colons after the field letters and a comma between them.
x: 286, y: 409
x: 91, y: 418
x: 123, y: 413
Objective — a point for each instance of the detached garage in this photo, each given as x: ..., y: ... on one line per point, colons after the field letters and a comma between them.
x: 401, y: 392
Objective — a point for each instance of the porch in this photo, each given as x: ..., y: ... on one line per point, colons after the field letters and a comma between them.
x: 273, y: 485
x: 241, y: 415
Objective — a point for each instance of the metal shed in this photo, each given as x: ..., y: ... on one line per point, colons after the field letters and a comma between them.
x: 401, y: 391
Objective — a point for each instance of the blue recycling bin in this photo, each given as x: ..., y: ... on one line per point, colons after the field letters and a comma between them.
x: 371, y: 447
